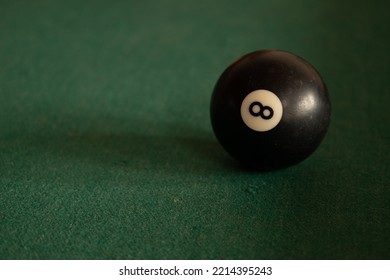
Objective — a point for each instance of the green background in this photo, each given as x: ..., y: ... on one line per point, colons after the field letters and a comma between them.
x: 106, y: 147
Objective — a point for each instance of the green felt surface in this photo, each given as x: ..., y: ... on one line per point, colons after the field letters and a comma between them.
x: 106, y: 147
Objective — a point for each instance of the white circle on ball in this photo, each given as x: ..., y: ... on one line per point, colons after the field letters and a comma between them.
x: 261, y: 110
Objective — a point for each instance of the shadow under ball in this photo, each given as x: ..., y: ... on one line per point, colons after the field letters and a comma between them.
x: 270, y: 109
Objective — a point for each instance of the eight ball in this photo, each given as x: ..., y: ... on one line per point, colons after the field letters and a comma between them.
x: 270, y: 109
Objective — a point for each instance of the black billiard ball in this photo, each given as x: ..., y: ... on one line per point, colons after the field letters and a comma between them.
x: 270, y: 109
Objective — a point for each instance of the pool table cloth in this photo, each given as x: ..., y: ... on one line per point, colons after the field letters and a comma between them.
x: 106, y: 146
